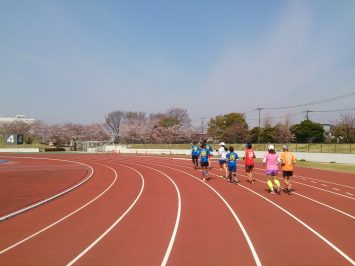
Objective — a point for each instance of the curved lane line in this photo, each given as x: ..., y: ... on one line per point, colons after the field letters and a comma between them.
x: 250, y: 244
x: 352, y: 198
x: 114, y: 224
x: 305, y: 225
x: 64, y: 218
x: 316, y: 201
x: 177, y: 222
x: 10, y: 215
x: 300, y: 176
x: 303, y: 196
x: 325, y: 205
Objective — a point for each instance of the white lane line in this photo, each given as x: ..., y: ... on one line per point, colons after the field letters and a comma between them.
x: 305, y: 225
x: 323, y: 204
x: 349, y: 193
x: 114, y: 224
x: 323, y: 185
x: 336, y: 189
x: 326, y: 182
x: 250, y: 244
x: 305, y: 178
x: 316, y: 201
x: 10, y: 215
x: 64, y: 218
x: 177, y: 222
x: 313, y: 182
x: 324, y: 190
x: 318, y: 188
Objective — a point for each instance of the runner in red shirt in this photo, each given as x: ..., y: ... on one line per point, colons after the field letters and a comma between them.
x: 249, y: 161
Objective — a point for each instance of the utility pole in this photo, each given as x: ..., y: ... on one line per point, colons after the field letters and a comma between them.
x: 307, y: 114
x: 202, y: 126
x: 259, y: 109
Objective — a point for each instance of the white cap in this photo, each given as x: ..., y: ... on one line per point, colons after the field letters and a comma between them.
x: 222, y: 144
x: 271, y: 147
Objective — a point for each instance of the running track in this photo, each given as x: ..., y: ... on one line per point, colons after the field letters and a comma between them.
x: 143, y: 210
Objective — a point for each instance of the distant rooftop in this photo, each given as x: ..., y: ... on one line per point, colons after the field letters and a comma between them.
x: 21, y: 118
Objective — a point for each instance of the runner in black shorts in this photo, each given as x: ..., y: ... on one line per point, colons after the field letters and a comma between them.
x: 204, y: 161
x: 194, y: 154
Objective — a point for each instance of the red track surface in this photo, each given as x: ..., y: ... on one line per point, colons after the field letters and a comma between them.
x: 128, y: 213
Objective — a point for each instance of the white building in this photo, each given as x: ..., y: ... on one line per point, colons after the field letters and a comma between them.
x: 17, y: 118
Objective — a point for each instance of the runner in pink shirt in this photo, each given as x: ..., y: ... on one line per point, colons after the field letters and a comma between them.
x: 272, y: 160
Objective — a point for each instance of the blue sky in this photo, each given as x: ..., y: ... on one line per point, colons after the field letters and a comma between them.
x: 74, y: 61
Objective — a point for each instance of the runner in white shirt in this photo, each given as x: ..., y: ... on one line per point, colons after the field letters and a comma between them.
x: 222, y: 152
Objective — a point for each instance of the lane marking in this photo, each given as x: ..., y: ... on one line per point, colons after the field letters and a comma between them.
x: 250, y: 244
x: 325, y: 205
x: 324, y: 190
x: 114, y: 224
x: 305, y: 178
x: 336, y: 189
x: 307, y: 226
x: 313, y: 182
x: 349, y: 193
x: 299, y: 176
x: 12, y: 214
x: 316, y: 201
x: 64, y: 218
x: 323, y: 185
x: 298, y: 194
x: 177, y: 222
x: 343, y: 254
x: 317, y: 188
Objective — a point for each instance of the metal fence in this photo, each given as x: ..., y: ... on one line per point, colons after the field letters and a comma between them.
x: 296, y: 147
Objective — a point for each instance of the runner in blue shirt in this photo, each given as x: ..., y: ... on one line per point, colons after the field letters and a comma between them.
x: 194, y: 154
x: 204, y: 153
x: 232, y: 158
x: 208, y: 147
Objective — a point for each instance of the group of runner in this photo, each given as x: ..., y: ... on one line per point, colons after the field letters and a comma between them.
x: 228, y: 164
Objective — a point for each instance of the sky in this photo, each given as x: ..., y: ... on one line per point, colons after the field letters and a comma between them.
x: 75, y: 61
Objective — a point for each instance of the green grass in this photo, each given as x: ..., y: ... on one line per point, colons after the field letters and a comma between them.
x: 339, y: 167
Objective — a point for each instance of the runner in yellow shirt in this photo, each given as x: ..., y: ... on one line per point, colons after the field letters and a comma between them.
x: 288, y: 160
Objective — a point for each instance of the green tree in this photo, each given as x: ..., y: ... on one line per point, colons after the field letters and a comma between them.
x: 266, y: 134
x: 229, y: 127
x: 254, y: 134
x: 308, y: 132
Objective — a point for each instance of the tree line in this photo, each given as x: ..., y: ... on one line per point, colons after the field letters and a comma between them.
x: 174, y: 126
x: 233, y: 128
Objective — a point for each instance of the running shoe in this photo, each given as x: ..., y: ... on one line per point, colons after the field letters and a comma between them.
x: 279, y: 190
